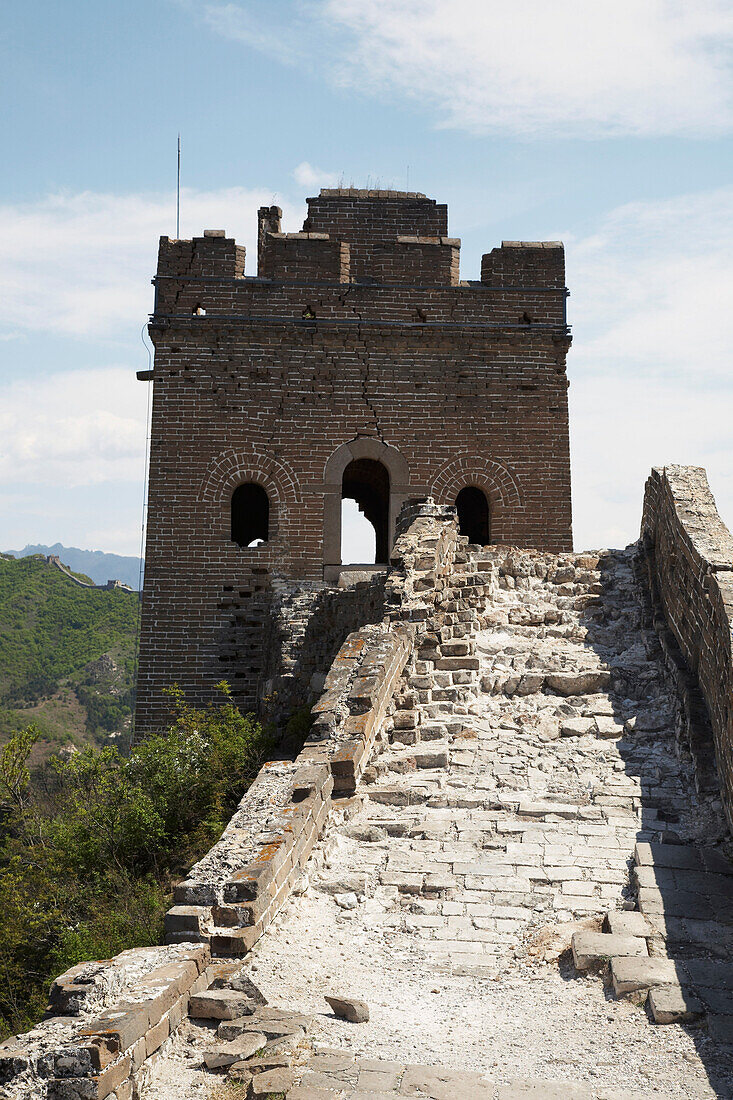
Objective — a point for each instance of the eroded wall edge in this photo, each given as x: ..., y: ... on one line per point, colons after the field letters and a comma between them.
x: 689, y: 553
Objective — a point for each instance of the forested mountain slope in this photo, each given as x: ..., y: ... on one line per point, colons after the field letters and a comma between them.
x: 66, y: 654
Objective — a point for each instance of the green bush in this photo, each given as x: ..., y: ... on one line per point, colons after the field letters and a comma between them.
x: 89, y: 847
x: 105, y: 711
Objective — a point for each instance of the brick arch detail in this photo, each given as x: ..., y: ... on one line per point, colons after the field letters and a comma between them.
x: 399, y: 488
x: 231, y: 468
x: 365, y: 447
x: 500, y: 484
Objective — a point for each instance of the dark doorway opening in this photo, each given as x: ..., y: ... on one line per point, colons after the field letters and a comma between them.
x: 250, y: 514
x: 473, y: 515
x: 367, y: 482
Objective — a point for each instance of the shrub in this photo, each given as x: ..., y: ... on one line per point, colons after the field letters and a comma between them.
x: 90, y: 845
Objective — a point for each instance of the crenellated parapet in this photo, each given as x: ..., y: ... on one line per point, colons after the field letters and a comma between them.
x: 378, y: 242
x: 213, y: 255
x: 304, y: 257
x: 525, y: 263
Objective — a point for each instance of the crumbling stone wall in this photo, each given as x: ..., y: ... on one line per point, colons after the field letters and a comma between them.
x: 231, y: 895
x: 357, y: 339
x: 106, y: 1021
x: 690, y: 554
x: 380, y: 690
x: 305, y: 628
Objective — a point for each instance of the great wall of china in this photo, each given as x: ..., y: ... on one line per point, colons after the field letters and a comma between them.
x: 507, y: 835
x: 499, y: 866
x: 54, y: 562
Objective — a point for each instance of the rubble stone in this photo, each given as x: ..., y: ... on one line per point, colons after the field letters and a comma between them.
x: 348, y: 1008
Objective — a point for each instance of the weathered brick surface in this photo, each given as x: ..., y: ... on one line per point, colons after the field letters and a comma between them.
x: 690, y: 554
x: 555, y: 843
x: 86, y: 1052
x: 357, y: 339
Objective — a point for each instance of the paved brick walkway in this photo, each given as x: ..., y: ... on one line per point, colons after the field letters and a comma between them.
x: 340, y: 1076
x: 527, y: 762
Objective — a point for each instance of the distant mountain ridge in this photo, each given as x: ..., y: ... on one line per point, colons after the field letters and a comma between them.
x: 95, y: 564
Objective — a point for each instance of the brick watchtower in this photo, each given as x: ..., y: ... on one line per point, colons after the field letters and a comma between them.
x: 356, y: 364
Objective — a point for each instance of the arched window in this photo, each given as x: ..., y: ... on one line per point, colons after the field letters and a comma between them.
x: 473, y: 515
x: 366, y: 481
x: 250, y: 514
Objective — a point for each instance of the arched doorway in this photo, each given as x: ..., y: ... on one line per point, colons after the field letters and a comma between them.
x: 387, y: 478
x: 474, y: 519
x: 366, y: 481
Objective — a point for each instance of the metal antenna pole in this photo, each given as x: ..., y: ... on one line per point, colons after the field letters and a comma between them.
x: 178, y: 193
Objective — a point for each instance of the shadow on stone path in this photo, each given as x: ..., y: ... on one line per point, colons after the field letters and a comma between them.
x: 673, y: 951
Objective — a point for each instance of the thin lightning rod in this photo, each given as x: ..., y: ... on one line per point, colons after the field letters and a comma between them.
x: 178, y: 193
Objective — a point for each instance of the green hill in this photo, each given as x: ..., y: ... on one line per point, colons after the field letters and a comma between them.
x: 66, y: 654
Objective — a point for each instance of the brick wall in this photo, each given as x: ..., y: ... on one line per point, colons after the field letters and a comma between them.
x: 106, y: 1024
x: 690, y: 554
x: 357, y: 339
x: 306, y: 626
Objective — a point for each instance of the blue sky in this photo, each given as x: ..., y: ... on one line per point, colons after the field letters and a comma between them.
x: 606, y: 124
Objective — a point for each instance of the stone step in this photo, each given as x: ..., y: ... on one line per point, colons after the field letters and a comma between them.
x: 683, y: 856
x: 671, y: 1004
x: 593, y: 949
x: 624, y: 923
x: 534, y: 808
x: 340, y: 1074
x: 638, y: 975
x: 399, y: 795
x: 410, y: 760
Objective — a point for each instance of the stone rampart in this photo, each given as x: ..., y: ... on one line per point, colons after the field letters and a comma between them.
x: 689, y: 552
x: 507, y: 725
x: 108, y: 1019
x: 54, y: 561
x: 231, y: 895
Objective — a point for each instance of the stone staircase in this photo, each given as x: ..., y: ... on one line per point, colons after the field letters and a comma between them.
x: 539, y: 754
x: 537, y: 789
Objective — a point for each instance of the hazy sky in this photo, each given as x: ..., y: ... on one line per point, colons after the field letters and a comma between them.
x: 607, y: 125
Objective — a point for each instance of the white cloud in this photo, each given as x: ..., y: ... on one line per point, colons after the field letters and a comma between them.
x: 569, y: 67
x: 76, y: 428
x: 307, y: 176
x: 620, y: 429
x: 261, y: 32
x: 652, y: 286
x: 81, y: 264
x: 650, y: 366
